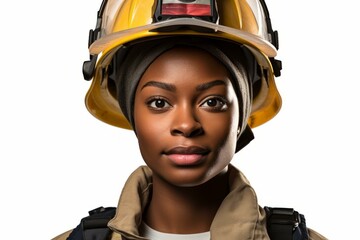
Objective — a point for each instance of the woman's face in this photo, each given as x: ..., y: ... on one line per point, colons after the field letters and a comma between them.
x: 186, y: 117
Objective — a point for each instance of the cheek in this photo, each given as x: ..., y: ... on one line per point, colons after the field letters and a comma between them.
x: 231, y: 121
x: 225, y: 125
x: 142, y: 123
x: 229, y: 131
x: 148, y: 134
x: 149, y: 129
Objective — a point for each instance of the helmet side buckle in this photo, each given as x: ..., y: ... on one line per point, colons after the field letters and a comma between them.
x: 88, y: 68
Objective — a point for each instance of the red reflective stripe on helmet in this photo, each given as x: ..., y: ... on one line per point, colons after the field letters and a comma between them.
x: 186, y: 9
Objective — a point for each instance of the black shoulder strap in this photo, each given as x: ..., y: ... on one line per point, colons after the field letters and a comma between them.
x: 94, y: 226
x: 286, y: 224
x: 282, y: 224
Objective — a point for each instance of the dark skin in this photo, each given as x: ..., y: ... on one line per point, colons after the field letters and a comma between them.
x: 186, y: 119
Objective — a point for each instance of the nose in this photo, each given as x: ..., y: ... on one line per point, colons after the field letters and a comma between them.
x: 186, y: 123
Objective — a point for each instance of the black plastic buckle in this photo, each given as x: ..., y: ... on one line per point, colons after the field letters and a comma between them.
x: 282, y: 222
x: 285, y: 216
x: 277, y: 66
x: 89, y: 65
x: 97, y: 210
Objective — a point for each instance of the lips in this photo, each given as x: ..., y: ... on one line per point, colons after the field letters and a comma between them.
x: 186, y: 156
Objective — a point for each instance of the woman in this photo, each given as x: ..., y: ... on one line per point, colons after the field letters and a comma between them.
x: 186, y: 116
x: 191, y: 100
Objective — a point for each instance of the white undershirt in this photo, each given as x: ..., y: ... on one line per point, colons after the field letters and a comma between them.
x: 152, y: 234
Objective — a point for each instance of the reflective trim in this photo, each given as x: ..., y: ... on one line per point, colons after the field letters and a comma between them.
x: 205, y: 2
x: 186, y: 9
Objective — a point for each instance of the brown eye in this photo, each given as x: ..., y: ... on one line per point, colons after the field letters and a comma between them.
x: 215, y: 104
x: 211, y: 102
x: 158, y: 104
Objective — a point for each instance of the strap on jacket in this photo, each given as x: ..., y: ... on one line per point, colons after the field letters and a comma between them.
x: 282, y: 224
x: 285, y: 224
x: 94, y: 226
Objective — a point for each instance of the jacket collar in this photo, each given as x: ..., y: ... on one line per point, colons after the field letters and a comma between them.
x: 239, y: 216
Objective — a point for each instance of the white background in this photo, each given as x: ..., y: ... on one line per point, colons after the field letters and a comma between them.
x: 58, y: 162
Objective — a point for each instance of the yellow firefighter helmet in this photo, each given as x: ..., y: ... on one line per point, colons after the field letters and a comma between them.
x: 120, y: 22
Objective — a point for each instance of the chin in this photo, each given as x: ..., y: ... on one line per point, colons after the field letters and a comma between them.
x: 191, y: 177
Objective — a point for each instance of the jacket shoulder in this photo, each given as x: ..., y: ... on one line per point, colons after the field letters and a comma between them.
x: 313, y: 235
x: 65, y: 235
x: 62, y: 236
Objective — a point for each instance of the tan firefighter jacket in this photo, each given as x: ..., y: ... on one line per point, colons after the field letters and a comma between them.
x: 239, y: 216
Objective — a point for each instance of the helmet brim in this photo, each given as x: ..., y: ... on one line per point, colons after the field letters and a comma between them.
x: 108, y: 42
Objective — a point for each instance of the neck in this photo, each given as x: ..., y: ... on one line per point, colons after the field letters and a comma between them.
x: 185, y: 210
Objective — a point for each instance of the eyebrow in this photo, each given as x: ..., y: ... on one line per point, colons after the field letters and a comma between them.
x: 165, y: 86
x: 172, y: 88
x: 208, y: 85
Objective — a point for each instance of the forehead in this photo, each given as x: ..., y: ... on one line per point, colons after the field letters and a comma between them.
x: 186, y: 62
x: 190, y: 54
